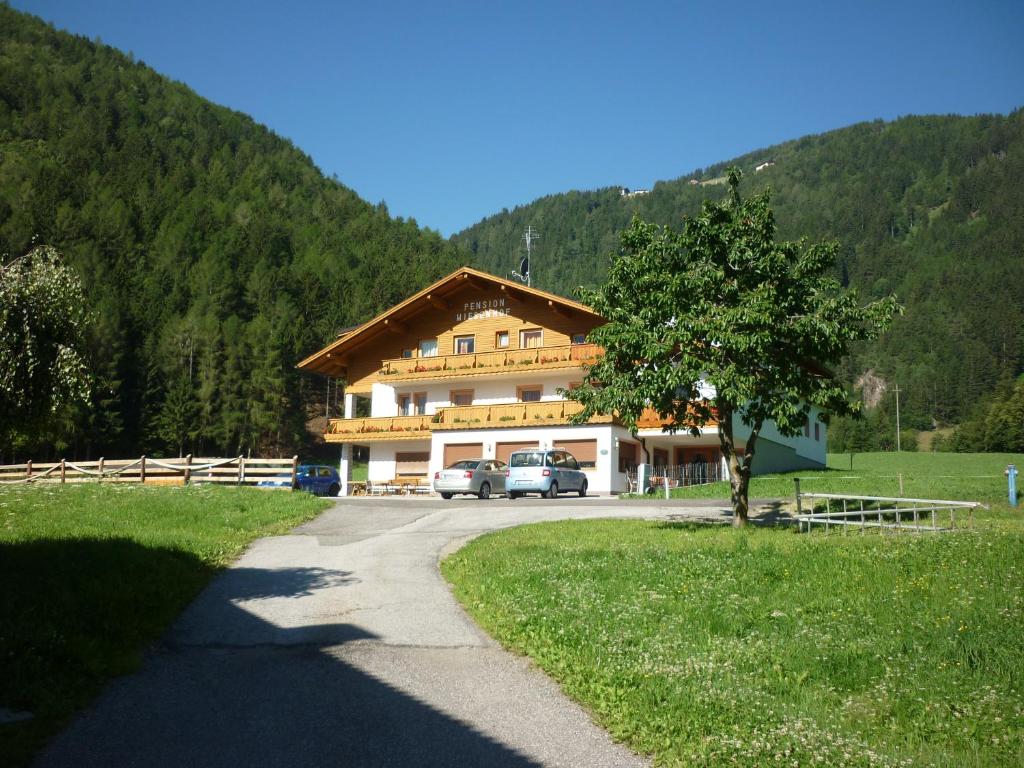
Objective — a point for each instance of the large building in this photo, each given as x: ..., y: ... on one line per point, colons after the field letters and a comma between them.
x: 471, y: 367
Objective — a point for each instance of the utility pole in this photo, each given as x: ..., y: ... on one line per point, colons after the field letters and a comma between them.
x: 897, y: 391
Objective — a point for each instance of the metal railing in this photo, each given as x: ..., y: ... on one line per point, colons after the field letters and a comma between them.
x: 884, y: 513
x: 669, y: 477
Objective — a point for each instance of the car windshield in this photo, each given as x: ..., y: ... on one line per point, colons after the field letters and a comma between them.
x: 528, y: 459
x: 465, y: 464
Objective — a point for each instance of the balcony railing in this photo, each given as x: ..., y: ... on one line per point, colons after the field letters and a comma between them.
x: 538, y: 414
x: 444, y: 366
x: 650, y: 419
x: 513, y: 415
x: 386, y: 428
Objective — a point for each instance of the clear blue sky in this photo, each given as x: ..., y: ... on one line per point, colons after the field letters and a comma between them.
x: 451, y: 111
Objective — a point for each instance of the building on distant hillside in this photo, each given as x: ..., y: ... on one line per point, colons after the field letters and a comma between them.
x: 469, y: 367
x: 627, y: 192
x: 762, y: 166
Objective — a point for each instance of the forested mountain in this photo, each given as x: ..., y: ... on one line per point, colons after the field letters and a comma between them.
x: 214, y: 253
x: 931, y: 208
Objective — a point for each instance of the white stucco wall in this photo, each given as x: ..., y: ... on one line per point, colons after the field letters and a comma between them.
x: 802, y: 451
x: 382, y: 457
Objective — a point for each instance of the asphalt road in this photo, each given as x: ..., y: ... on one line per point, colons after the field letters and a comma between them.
x: 341, y: 645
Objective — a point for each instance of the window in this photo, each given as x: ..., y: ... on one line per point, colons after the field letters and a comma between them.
x: 412, y: 464
x: 565, y: 461
x: 579, y: 338
x: 406, y: 353
x: 461, y: 397
x: 501, y: 340
x: 817, y: 432
x: 583, y: 451
x: 325, y: 471
x: 530, y: 393
x: 531, y: 339
x: 527, y: 459
x: 465, y: 345
x: 428, y: 348
x: 414, y: 404
x: 807, y: 426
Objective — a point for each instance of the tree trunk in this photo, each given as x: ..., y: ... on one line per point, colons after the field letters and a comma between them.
x: 739, y: 469
x: 739, y: 482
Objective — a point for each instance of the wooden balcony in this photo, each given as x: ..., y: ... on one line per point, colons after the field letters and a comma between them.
x: 541, y: 414
x: 480, y: 363
x: 650, y: 419
x: 376, y: 429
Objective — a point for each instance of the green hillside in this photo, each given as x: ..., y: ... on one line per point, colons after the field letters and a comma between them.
x: 215, y: 254
x: 931, y: 208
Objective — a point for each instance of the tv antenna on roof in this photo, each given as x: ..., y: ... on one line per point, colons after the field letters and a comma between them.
x: 530, y: 236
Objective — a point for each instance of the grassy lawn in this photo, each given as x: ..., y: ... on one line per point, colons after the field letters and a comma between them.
x: 958, y: 476
x: 91, y: 575
x: 710, y: 646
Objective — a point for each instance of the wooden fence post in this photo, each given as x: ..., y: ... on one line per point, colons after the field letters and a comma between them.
x: 28, y: 469
x: 142, y: 469
x: 188, y: 469
x: 63, y: 469
x: 99, y: 477
x: 295, y: 471
x: 241, y: 469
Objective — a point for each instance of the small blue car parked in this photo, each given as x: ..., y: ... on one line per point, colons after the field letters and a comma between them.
x: 318, y: 479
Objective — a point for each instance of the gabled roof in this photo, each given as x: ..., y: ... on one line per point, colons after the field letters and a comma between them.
x: 330, y: 359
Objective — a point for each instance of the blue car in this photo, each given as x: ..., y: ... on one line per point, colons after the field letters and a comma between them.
x: 318, y: 479
x: 547, y: 472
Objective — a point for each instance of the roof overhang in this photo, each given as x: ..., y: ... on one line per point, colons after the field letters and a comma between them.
x: 332, y: 360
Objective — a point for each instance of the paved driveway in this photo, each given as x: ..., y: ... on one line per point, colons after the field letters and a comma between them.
x: 341, y: 645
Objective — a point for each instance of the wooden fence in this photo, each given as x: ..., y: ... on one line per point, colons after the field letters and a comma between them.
x: 237, y: 471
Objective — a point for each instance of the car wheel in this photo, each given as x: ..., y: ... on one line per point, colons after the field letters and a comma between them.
x: 446, y: 495
x: 553, y: 491
x: 583, y: 488
x: 513, y: 495
x: 334, y: 490
x: 485, y: 491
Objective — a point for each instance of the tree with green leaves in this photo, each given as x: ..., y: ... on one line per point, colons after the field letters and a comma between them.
x: 720, y: 325
x: 43, y: 323
x: 176, y: 423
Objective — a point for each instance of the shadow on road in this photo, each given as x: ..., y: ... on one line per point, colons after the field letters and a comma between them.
x: 217, y: 693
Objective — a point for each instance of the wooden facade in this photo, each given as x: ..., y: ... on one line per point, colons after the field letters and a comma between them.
x: 428, y: 335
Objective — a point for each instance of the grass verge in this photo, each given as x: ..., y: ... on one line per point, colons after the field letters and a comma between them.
x: 93, y: 574
x: 712, y: 646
